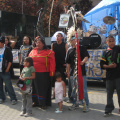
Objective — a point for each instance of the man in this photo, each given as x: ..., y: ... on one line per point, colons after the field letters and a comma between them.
x: 60, y: 48
x: 6, y: 59
x: 70, y: 60
x: 111, y: 62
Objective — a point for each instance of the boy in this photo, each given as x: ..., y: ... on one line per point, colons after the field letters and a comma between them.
x: 70, y: 60
x: 111, y: 62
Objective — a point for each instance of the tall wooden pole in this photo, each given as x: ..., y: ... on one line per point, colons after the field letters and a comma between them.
x: 50, y: 18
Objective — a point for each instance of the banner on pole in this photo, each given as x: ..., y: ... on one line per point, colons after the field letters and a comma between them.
x: 63, y: 21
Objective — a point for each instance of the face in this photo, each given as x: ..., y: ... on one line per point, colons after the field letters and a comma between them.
x: 72, y: 42
x: 1, y: 45
x: 111, y: 42
x: 39, y: 45
x: 6, y: 41
x: 59, y: 37
x: 26, y: 40
x: 59, y: 79
x: 26, y: 64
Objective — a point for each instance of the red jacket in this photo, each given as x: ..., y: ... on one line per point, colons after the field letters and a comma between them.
x: 44, y: 61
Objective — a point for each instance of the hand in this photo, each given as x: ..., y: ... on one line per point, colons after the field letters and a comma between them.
x: 82, y: 63
x: 7, y: 70
x: 113, y: 65
x: 23, y: 79
x: 68, y: 75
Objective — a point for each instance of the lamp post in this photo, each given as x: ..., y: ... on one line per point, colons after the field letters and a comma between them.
x: 22, y: 6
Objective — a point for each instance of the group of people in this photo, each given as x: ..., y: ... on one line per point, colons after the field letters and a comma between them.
x: 41, y: 67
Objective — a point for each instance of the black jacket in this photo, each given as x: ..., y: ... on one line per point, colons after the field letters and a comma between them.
x: 7, y: 57
x: 109, y: 56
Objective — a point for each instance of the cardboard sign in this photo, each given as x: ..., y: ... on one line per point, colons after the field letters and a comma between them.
x: 15, y: 56
x: 93, y: 69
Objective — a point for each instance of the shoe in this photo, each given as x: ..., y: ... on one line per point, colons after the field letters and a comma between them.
x: 107, y: 114
x: 72, y: 107
x: 28, y: 114
x: 80, y: 102
x: 58, y: 111
x: 22, y: 113
x: 69, y: 101
x: 1, y: 101
x: 14, y: 102
x: 35, y: 105
x: 44, y: 107
x: 76, y: 106
x: 86, y: 109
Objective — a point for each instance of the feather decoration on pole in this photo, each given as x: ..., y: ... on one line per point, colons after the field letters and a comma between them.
x: 77, y: 92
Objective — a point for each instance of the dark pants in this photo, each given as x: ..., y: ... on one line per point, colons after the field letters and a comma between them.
x: 5, y: 77
x: 111, y: 85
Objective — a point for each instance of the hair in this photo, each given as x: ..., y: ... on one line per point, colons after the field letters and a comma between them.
x: 42, y: 40
x: 60, y: 34
x: 110, y: 36
x: 8, y: 41
x: 30, y: 40
x: 30, y: 60
x: 58, y: 75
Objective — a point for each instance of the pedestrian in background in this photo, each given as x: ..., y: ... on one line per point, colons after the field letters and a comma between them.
x: 8, y: 43
x: 11, y: 45
x: 59, y: 91
x: 111, y: 62
x: 27, y: 44
x: 6, y: 59
x: 27, y: 75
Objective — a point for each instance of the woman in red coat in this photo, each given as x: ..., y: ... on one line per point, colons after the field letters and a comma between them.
x: 44, y: 64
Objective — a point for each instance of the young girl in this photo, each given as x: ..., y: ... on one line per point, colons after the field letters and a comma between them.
x: 27, y: 44
x: 27, y: 75
x: 59, y: 91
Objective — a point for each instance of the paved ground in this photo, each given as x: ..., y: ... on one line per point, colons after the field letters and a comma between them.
x: 97, y: 104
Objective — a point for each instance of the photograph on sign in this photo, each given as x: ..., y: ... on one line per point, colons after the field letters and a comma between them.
x: 64, y: 19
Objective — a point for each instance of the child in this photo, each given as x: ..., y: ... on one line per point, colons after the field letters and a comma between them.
x: 111, y: 62
x: 27, y: 75
x: 59, y: 91
x: 27, y: 44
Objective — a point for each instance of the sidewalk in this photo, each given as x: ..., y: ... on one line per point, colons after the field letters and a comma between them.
x: 97, y: 105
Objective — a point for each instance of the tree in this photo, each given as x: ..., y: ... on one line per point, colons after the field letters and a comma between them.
x: 29, y: 6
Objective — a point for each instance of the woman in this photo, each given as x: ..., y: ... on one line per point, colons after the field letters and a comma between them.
x: 44, y: 64
x: 24, y: 49
x: 10, y: 44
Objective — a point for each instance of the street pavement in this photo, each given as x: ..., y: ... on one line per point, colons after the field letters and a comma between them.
x: 97, y: 100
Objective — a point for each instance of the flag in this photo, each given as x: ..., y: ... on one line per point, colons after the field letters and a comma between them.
x: 80, y: 79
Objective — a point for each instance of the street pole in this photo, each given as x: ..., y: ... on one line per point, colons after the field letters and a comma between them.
x: 50, y: 18
x: 22, y: 6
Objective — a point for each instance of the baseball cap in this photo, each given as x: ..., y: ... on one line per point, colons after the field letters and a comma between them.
x: 73, y: 37
x: 2, y: 39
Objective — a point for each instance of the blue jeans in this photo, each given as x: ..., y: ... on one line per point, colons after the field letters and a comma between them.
x: 5, y: 77
x: 70, y: 85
